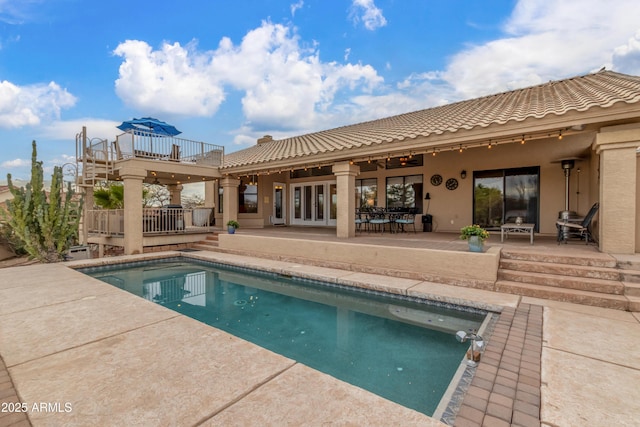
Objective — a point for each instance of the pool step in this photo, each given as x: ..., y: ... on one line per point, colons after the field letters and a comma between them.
x: 209, y: 244
x: 589, y: 279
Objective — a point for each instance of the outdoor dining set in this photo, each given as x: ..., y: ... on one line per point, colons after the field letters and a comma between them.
x: 395, y: 220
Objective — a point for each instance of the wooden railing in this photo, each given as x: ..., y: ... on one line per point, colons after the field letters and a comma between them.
x: 165, y: 220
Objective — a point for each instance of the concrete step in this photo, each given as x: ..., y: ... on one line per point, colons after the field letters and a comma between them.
x: 634, y: 304
x: 631, y: 289
x: 595, y: 299
x: 568, y: 282
x: 206, y: 246
x: 594, y: 260
x: 632, y: 276
x: 606, y: 273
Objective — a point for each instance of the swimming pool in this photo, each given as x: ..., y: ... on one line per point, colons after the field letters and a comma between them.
x: 397, y: 347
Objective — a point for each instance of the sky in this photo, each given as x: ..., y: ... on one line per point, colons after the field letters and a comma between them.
x: 228, y: 72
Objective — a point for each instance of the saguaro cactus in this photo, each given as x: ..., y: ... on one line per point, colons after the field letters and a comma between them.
x: 47, y: 228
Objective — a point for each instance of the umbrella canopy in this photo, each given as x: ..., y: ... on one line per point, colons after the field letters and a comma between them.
x: 151, y: 125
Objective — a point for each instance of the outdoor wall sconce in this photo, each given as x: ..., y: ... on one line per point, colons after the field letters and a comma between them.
x: 463, y: 174
x: 477, y: 343
x: 427, y: 196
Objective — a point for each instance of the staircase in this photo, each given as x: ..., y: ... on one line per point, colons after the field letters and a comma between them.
x: 209, y: 244
x: 596, y: 280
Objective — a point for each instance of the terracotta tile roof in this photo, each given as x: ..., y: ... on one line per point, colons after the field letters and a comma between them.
x: 602, y: 89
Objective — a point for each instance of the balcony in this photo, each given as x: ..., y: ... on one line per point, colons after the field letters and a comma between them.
x: 142, y: 145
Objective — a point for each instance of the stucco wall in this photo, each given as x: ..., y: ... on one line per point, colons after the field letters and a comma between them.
x: 452, y: 210
x: 464, y: 266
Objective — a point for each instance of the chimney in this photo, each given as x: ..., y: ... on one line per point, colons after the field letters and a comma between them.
x: 264, y: 139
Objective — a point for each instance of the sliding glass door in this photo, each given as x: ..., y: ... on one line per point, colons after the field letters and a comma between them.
x: 502, y: 195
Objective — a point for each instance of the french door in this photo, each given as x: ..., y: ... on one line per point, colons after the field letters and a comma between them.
x: 314, y: 203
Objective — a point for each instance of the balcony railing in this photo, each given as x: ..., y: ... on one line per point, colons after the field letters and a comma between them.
x: 143, y: 145
x: 155, y: 221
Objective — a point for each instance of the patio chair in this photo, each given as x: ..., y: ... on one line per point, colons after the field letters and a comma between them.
x: 581, y: 230
x: 362, y: 218
x: 406, y: 219
x: 378, y: 219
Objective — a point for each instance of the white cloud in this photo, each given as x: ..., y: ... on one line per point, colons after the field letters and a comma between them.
x: 367, y: 12
x: 30, y: 105
x: 547, y: 41
x: 296, y: 6
x: 96, y: 128
x: 175, y: 79
x: 284, y: 84
x: 17, y: 12
x: 626, y: 58
x: 15, y: 163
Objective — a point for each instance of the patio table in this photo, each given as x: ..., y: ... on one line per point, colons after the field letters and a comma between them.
x: 505, y: 229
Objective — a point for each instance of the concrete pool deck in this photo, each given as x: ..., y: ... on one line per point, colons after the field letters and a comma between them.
x: 120, y: 360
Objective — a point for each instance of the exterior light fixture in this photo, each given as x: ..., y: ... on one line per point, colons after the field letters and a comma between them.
x: 475, y: 349
x: 463, y: 174
x: 560, y: 135
x: 427, y: 196
x: 522, y: 140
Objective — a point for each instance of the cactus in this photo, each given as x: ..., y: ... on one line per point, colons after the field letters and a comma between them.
x: 46, y: 228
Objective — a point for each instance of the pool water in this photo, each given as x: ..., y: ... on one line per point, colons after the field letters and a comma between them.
x: 398, y: 348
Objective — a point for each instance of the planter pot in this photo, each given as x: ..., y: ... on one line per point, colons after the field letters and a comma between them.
x: 476, y: 244
x: 231, y: 230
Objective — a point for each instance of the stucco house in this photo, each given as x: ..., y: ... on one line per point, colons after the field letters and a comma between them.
x: 535, y: 152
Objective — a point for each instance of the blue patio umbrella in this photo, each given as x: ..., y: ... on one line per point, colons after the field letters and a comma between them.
x: 151, y: 125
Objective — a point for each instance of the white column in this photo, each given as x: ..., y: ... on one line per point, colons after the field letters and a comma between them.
x: 617, y: 147
x: 132, y: 180
x: 346, y: 187
x: 175, y: 194
x: 229, y: 200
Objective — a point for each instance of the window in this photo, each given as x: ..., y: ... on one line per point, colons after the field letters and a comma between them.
x: 220, y: 199
x: 248, y: 196
x: 366, y: 192
x: 404, y: 192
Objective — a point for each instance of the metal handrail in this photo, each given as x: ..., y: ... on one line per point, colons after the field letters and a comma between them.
x: 163, y: 220
x: 145, y: 145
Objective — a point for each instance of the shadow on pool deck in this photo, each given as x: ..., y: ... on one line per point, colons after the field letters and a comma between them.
x: 121, y: 360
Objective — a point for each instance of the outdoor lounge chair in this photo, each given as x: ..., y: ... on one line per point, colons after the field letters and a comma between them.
x: 582, y: 230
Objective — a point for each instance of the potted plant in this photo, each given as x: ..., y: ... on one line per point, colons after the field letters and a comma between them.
x: 476, y: 236
x: 232, y: 225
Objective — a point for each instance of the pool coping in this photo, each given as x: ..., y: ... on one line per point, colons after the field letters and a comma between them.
x: 505, y: 386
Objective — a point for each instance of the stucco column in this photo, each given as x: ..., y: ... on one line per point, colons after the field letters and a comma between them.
x: 209, y: 194
x: 346, y: 187
x: 617, y: 147
x: 229, y: 199
x: 175, y: 194
x: 132, y: 179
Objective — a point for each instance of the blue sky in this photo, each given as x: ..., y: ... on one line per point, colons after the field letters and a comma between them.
x: 227, y: 72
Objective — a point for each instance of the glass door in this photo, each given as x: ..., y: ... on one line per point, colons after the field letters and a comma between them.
x: 488, y: 198
x: 310, y: 205
x: 279, y: 210
x: 501, y: 196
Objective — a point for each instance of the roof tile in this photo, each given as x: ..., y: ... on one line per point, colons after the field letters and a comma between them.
x: 602, y: 89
